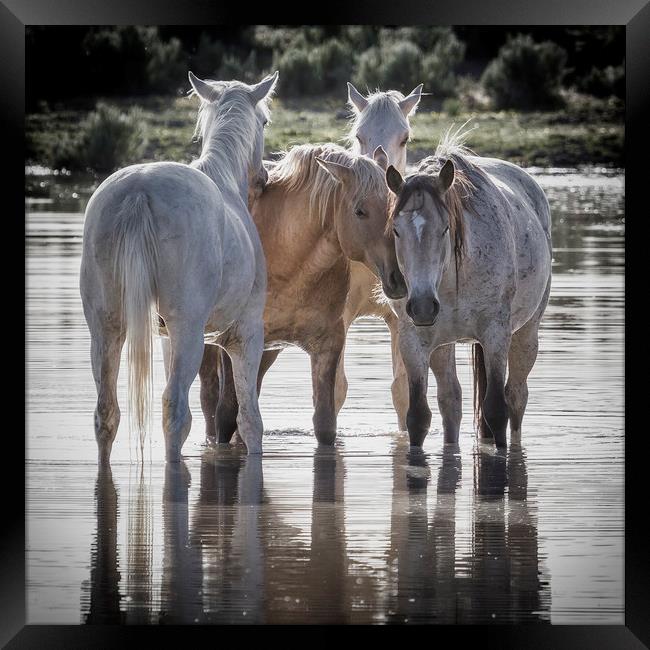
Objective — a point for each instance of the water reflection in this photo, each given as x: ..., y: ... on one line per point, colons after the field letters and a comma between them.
x: 230, y: 558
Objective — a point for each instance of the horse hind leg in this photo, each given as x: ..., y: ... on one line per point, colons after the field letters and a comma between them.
x: 209, y: 375
x: 186, y: 341
x: 493, y: 406
x: 450, y: 396
x: 521, y: 358
x: 107, y: 340
x: 245, y: 356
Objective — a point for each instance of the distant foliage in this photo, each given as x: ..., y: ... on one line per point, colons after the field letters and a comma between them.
x: 233, y: 67
x: 296, y: 72
x: 408, y: 56
x: 207, y: 56
x: 526, y: 75
x: 135, y: 60
x: 605, y: 82
x: 109, y: 138
x: 333, y: 63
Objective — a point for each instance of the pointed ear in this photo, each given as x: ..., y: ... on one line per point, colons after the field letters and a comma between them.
x: 339, y: 172
x: 447, y: 175
x: 204, y: 90
x: 394, y: 180
x: 380, y: 157
x: 409, y: 103
x: 264, y: 88
x: 356, y: 99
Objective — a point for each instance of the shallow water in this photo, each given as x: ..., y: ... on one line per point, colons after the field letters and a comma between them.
x: 365, y: 532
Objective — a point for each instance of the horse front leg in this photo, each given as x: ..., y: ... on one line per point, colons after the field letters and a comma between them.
x: 324, y: 361
x: 400, y: 387
x: 450, y: 396
x: 416, y: 362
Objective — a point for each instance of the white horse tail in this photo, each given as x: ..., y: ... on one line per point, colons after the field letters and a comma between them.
x: 136, y: 270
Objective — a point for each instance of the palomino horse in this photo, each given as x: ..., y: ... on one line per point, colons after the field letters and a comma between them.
x: 381, y: 119
x: 321, y: 208
x: 180, y: 239
x: 473, y: 240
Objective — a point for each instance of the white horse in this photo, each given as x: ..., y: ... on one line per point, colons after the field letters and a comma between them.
x: 380, y: 120
x: 180, y: 239
x: 473, y: 241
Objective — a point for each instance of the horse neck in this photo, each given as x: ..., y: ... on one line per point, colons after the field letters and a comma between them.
x: 289, y: 231
x: 226, y: 171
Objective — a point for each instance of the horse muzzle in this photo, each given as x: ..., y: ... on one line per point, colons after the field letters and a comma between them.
x: 423, y: 311
x: 393, y: 285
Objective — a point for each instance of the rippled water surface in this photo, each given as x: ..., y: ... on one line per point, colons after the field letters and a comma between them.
x: 368, y: 531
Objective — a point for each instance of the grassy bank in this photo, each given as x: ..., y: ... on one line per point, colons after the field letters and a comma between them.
x: 587, y: 132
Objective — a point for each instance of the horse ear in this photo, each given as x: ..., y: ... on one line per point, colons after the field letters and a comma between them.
x: 409, y: 103
x: 380, y: 157
x: 447, y: 175
x: 264, y: 87
x: 356, y: 99
x: 337, y: 171
x: 394, y: 180
x: 202, y: 89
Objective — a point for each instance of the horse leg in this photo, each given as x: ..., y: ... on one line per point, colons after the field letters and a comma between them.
x: 450, y: 397
x: 209, y: 376
x: 107, y: 340
x: 268, y: 359
x: 186, y: 340
x: 324, y: 363
x: 495, y: 346
x: 400, y: 386
x: 167, y: 355
x: 340, y: 382
x: 245, y: 356
x: 418, y: 416
x: 227, y: 406
x: 521, y: 358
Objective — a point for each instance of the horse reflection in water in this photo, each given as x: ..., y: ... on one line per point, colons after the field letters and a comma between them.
x: 230, y: 558
x: 499, y: 581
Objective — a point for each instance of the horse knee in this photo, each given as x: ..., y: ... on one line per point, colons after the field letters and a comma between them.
x: 107, y: 420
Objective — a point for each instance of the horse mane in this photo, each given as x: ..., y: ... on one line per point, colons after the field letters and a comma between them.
x: 299, y: 170
x: 225, y: 127
x: 468, y: 178
x: 378, y: 102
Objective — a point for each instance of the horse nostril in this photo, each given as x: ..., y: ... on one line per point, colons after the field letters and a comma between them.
x: 409, y: 309
x: 436, y: 307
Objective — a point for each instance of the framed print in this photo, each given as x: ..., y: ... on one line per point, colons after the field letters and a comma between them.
x: 384, y: 190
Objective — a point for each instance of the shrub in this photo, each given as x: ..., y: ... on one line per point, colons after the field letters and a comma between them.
x: 605, y: 82
x: 439, y: 67
x: 233, y: 67
x: 368, y: 72
x: 108, y: 139
x: 526, y: 75
x: 207, y: 57
x: 332, y: 62
x: 297, y: 73
x: 166, y: 68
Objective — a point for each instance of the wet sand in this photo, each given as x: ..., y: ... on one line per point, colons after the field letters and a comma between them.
x: 368, y: 531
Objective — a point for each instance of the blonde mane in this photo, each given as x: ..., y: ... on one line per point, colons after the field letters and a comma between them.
x: 299, y: 170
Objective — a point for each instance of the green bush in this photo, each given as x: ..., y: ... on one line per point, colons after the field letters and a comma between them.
x: 108, y: 139
x: 207, y: 57
x: 526, y: 75
x: 333, y: 64
x: 605, y: 82
x: 297, y: 73
x: 368, y: 72
x: 167, y: 67
x: 439, y: 67
x: 234, y: 67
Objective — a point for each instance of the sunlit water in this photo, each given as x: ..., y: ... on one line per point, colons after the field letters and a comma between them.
x: 368, y: 531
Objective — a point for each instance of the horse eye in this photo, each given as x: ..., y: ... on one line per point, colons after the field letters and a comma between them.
x: 360, y: 213
x: 265, y: 122
x: 445, y: 231
x: 395, y: 232
x: 403, y: 142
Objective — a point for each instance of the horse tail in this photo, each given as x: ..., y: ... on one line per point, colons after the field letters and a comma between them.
x: 136, y: 270
x: 480, y: 387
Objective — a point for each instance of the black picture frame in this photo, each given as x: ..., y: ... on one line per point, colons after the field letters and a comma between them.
x: 16, y: 14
